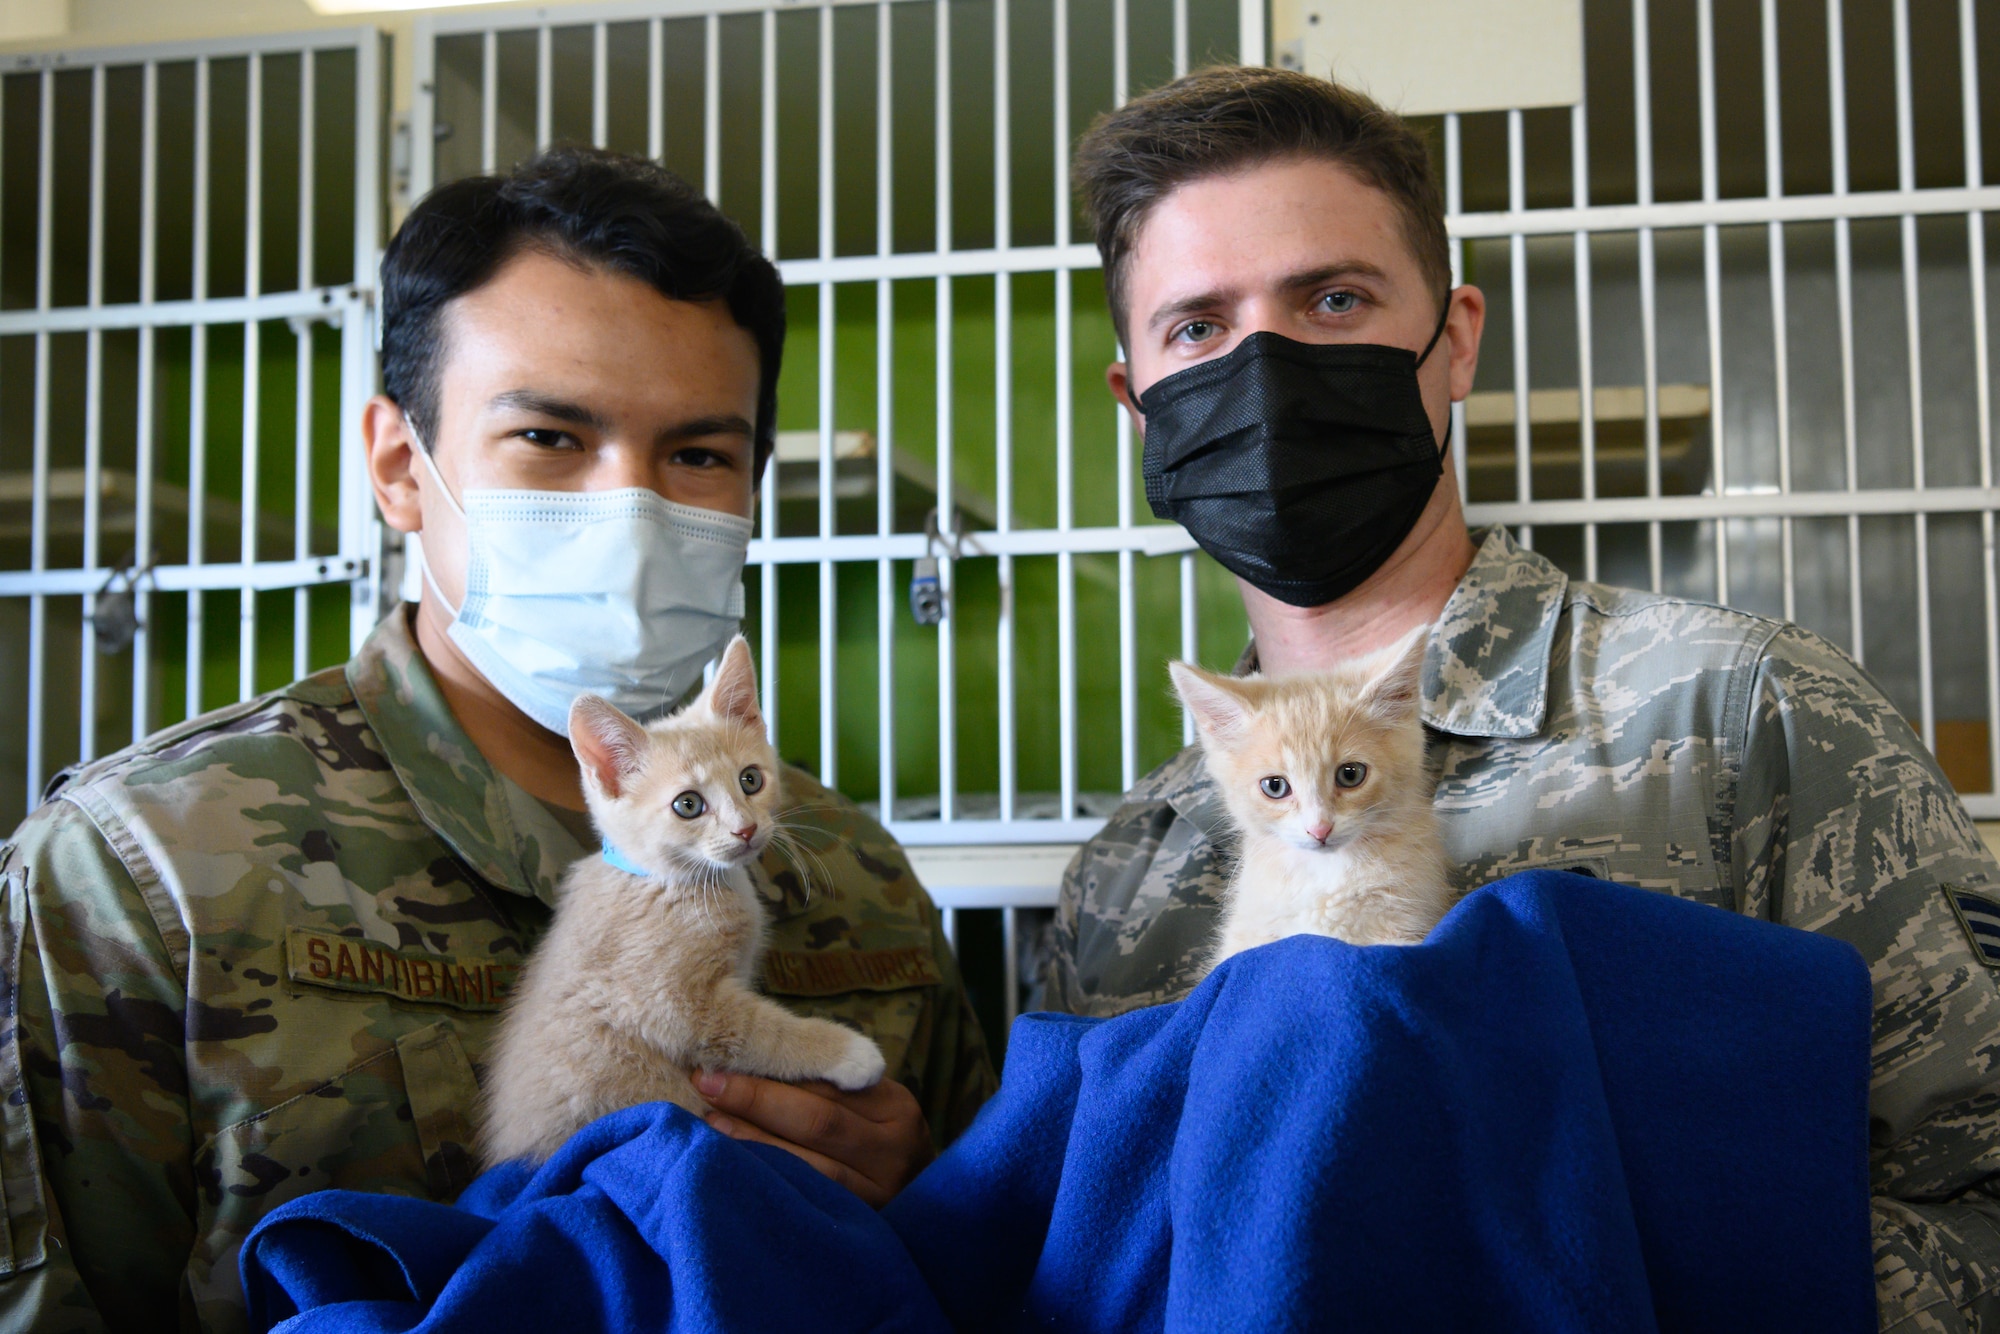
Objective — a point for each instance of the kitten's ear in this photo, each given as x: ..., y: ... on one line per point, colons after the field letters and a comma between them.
x: 1214, y: 702
x: 608, y: 745
x: 1398, y: 690
x: 733, y: 692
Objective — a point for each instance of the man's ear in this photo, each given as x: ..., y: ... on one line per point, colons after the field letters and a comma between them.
x: 1119, y: 376
x: 608, y: 745
x: 733, y: 692
x: 1462, y: 329
x: 1397, y: 691
x: 1216, y: 703
x: 392, y: 464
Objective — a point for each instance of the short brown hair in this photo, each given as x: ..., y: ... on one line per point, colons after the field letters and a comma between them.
x: 1230, y: 117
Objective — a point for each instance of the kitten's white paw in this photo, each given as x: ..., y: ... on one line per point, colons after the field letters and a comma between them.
x: 860, y: 1066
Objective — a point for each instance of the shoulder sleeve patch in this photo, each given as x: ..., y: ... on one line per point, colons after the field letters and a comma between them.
x: 1981, y: 919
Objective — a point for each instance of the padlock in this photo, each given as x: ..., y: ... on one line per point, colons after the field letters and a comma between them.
x: 926, y: 593
x: 114, y: 620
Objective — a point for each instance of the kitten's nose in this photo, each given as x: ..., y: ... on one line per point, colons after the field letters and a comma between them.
x: 1319, y: 832
x: 746, y: 833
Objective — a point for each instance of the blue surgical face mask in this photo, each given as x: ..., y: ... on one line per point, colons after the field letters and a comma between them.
x: 620, y: 594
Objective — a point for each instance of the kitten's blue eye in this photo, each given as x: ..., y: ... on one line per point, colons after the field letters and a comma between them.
x: 1350, y: 775
x: 1276, y: 788
x: 689, y: 804
x: 752, y: 779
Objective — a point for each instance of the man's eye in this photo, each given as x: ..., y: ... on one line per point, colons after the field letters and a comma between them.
x: 697, y: 457
x: 548, y: 437
x: 1340, y: 303
x: 1195, y: 331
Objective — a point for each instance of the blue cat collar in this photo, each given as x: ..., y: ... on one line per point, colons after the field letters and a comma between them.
x: 622, y: 862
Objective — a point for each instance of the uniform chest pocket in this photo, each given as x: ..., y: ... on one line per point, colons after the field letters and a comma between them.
x: 397, y: 1122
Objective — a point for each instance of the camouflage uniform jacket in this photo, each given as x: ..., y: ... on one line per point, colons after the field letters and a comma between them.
x: 1719, y: 756
x: 262, y: 953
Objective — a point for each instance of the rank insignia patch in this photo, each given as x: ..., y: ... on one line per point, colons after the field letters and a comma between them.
x: 1981, y: 919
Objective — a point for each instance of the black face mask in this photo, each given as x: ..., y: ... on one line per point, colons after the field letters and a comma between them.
x: 1300, y: 467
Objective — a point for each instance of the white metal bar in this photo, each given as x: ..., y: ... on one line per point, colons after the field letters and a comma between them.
x: 210, y: 577
x: 1010, y: 952
x: 885, y: 409
x: 1454, y: 199
x: 1173, y: 540
x: 1597, y: 219
x: 253, y: 283
x: 600, y: 89
x: 656, y: 89
x: 767, y: 175
x: 829, y: 719
x: 1017, y: 833
x: 1711, y: 252
x: 1781, y: 356
x: 489, y: 103
x: 361, y: 530
x: 1121, y: 53
x: 947, y: 566
x: 142, y: 465
x: 1982, y: 374
x: 302, y: 393
x: 544, y: 86
x: 1065, y: 434
x: 1893, y: 501
x: 322, y: 302
x: 1649, y: 332
x: 1906, y: 172
x: 1190, y: 634
x: 711, y: 109
x: 949, y: 917
x: 38, y: 555
x: 198, y: 386
x: 1003, y: 393
x: 1586, y: 362
x: 1180, y: 38
x: 93, y: 427
x: 1250, y: 32
x: 1843, y: 280
x: 1517, y: 267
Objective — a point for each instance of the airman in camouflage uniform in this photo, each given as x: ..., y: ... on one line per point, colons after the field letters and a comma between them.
x: 263, y: 953
x: 1705, y: 752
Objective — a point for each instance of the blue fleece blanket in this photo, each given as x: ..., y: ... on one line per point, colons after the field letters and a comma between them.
x: 1577, y: 1107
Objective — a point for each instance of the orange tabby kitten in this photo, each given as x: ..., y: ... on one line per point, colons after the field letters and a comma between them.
x: 648, y: 967
x: 1323, y: 777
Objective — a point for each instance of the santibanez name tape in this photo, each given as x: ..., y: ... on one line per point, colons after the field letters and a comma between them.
x: 354, y: 963
x: 830, y: 972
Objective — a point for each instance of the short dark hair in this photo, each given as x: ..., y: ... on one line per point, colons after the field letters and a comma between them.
x: 590, y: 207
x: 1230, y: 117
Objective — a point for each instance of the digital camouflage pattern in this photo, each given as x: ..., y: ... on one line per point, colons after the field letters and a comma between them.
x: 1708, y: 753
x: 262, y: 954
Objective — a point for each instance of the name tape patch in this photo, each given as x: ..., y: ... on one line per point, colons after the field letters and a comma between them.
x: 1981, y: 919
x: 351, y: 963
x: 830, y: 972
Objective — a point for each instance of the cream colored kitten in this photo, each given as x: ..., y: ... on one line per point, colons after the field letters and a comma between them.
x: 1324, y: 780
x: 643, y: 977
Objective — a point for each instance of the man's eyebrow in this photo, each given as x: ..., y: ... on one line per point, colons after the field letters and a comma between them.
x: 1187, y: 305
x: 1326, y: 273
x: 719, y: 423
x: 548, y: 405
x: 1292, y: 282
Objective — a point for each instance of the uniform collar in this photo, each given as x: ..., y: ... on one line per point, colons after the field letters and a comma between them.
x: 493, y: 826
x: 1486, y: 673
